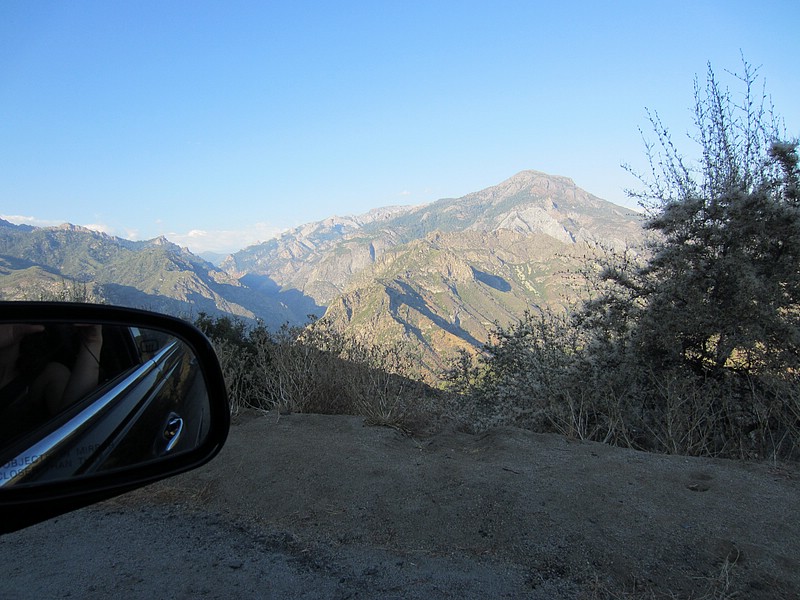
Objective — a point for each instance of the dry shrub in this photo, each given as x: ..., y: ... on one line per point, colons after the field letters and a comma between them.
x: 238, y: 373
x: 547, y: 375
x: 382, y: 383
x: 318, y: 369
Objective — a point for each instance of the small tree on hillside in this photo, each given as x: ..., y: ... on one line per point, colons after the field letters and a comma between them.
x: 722, y: 287
x: 694, y: 345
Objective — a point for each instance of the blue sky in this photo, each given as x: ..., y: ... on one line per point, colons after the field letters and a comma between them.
x: 219, y: 124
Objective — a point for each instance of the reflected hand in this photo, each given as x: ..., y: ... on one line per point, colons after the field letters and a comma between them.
x: 91, y: 335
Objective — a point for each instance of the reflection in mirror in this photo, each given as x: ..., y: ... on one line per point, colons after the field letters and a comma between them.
x: 84, y: 398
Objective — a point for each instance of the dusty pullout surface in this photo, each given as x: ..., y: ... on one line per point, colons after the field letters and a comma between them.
x: 310, y: 506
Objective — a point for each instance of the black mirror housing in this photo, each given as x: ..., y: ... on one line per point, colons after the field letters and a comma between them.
x: 135, y: 408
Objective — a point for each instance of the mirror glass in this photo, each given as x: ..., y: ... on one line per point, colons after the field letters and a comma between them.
x: 78, y: 399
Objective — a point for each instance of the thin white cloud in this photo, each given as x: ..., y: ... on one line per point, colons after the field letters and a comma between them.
x: 404, y: 193
x: 100, y: 228
x: 33, y: 221
x: 37, y: 222
x: 224, y: 241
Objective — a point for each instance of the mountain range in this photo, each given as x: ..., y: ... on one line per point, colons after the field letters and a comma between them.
x: 441, y: 275
x: 54, y: 262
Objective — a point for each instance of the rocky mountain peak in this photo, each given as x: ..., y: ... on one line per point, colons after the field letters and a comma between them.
x: 535, y: 179
x: 9, y: 225
x: 77, y: 228
x: 532, y: 187
x: 161, y: 241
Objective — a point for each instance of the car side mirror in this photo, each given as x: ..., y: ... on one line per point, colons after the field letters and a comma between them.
x: 98, y: 400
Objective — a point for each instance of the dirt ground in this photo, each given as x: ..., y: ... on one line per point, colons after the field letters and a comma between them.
x: 313, y: 506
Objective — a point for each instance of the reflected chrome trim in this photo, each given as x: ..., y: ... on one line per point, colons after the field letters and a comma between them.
x: 173, y: 431
x: 17, y: 469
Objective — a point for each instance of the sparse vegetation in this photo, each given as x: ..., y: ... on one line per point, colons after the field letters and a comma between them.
x: 317, y: 369
x: 62, y: 290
